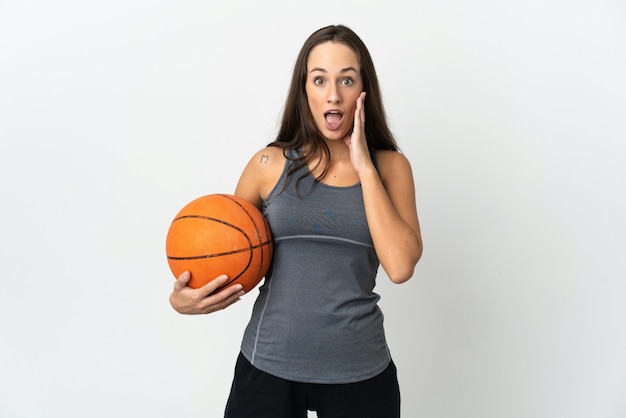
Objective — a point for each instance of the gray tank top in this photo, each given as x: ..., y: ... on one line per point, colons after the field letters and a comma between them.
x: 316, y: 318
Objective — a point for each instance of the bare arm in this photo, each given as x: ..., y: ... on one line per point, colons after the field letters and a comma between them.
x: 392, y: 215
x: 389, y: 200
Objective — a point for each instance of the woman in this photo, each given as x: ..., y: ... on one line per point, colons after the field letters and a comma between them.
x: 340, y: 201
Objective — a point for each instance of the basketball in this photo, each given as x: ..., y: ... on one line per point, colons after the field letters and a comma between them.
x: 220, y: 234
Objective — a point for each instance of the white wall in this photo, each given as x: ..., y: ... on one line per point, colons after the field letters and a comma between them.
x: 115, y: 114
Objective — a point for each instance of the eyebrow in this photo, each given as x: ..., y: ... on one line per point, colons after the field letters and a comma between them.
x: 344, y: 70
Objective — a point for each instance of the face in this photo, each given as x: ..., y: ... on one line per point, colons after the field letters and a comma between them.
x: 333, y: 84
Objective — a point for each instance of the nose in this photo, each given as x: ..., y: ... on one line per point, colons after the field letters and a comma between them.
x: 333, y: 95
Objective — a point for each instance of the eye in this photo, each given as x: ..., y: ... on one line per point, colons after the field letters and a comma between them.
x: 318, y: 81
x: 348, y: 81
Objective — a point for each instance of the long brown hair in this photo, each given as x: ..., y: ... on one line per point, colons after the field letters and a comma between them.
x: 298, y: 129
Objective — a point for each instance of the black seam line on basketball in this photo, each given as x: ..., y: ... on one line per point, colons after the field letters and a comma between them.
x: 198, y: 257
x: 209, y: 218
x: 253, y: 223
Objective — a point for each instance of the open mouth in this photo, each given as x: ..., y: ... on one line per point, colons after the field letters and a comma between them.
x: 333, y: 119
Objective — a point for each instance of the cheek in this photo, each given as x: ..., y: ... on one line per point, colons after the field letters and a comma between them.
x: 350, y: 112
x: 314, y: 104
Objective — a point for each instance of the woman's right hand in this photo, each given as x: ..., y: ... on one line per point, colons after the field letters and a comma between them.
x: 205, y: 299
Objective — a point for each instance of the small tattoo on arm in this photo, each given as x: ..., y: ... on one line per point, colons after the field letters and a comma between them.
x: 265, y: 159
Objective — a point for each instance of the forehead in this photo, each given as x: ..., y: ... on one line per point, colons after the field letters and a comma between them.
x: 332, y: 56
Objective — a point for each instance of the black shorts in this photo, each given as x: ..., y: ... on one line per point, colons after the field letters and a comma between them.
x: 256, y: 394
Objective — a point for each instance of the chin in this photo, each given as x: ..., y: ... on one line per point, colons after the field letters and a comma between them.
x: 333, y: 136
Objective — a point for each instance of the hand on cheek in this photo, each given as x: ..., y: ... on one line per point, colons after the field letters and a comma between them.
x: 356, y: 141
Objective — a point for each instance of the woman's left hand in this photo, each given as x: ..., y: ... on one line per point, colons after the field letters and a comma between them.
x: 356, y: 141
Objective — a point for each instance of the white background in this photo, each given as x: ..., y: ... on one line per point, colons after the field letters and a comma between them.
x: 115, y: 114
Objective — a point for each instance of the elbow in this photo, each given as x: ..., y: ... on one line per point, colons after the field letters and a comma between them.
x: 401, y: 272
x: 401, y: 275
x: 399, y: 278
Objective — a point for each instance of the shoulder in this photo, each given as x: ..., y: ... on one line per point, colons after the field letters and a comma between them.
x: 392, y: 164
x: 261, y: 174
x: 267, y: 160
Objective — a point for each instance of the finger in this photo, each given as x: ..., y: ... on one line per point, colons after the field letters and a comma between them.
x: 213, y: 285
x: 359, y: 112
x: 360, y: 109
x: 222, y: 305
x: 223, y: 298
x: 182, y: 280
x: 362, y: 97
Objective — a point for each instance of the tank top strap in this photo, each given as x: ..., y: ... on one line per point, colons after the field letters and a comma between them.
x: 292, y: 153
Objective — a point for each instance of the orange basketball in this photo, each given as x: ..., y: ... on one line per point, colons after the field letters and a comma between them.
x: 220, y: 234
